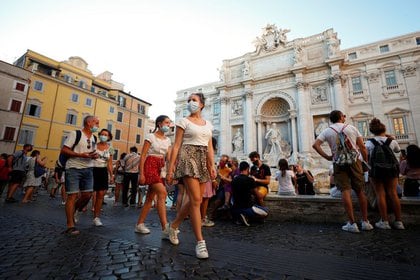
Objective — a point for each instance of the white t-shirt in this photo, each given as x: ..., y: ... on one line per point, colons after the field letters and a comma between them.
x: 102, y: 160
x: 330, y: 135
x: 285, y: 183
x: 393, y: 145
x: 158, y: 146
x: 81, y: 147
x: 194, y: 134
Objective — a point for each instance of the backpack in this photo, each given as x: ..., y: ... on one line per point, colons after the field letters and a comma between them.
x: 346, y: 154
x: 62, y: 158
x: 382, y: 160
x: 39, y: 170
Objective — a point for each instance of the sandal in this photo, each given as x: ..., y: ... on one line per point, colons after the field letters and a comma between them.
x: 72, y: 231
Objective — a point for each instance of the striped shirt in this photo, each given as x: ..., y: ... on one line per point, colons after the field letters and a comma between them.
x: 131, y: 163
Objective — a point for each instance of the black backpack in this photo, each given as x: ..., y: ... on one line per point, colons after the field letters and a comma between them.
x: 383, y: 161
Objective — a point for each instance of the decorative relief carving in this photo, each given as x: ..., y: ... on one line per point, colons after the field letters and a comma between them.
x: 245, y: 69
x: 319, y: 95
x: 271, y: 38
x: 372, y: 77
x: 409, y: 71
x: 237, y: 107
x: 301, y: 85
x: 224, y: 100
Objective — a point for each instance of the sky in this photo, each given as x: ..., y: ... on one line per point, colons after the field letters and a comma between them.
x: 158, y: 47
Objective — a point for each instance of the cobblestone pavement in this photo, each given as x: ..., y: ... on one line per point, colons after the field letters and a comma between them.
x: 32, y: 246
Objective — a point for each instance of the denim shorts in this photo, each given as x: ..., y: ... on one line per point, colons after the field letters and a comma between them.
x: 79, y: 180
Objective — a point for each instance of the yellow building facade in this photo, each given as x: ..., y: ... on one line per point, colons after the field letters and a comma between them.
x: 62, y: 94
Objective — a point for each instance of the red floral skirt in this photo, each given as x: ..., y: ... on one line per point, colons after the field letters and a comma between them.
x: 152, y: 167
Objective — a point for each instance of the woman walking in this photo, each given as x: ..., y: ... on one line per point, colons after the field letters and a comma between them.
x: 194, y: 151
x: 102, y: 168
x: 31, y: 181
x: 156, y: 149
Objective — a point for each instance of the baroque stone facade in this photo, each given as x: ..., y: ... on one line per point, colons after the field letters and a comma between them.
x: 286, y: 89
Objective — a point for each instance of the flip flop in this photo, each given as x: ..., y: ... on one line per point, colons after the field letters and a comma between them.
x: 72, y: 231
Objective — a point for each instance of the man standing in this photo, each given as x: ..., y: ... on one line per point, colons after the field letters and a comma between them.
x: 131, y: 168
x: 79, y: 170
x: 261, y: 174
x: 18, y: 174
x: 350, y: 176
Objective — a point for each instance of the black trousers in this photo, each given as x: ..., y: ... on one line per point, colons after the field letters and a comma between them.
x: 132, y: 178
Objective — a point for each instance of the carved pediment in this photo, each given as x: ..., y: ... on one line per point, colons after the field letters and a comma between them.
x: 397, y: 111
x: 362, y: 115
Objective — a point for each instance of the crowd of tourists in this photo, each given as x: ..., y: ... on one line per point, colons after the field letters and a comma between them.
x: 235, y: 189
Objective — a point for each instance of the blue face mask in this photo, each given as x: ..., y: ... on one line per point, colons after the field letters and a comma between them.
x: 193, y: 106
x: 94, y: 129
x: 164, y: 128
x: 103, y: 138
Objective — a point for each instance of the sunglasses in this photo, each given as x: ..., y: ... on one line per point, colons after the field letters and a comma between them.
x: 88, y: 144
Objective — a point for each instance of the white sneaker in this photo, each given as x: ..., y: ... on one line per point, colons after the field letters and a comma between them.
x: 207, y: 223
x: 399, y: 225
x: 97, y: 222
x: 141, y: 228
x: 76, y: 217
x: 165, y: 232
x: 201, y: 250
x: 173, y: 235
x: 350, y: 227
x: 244, y: 220
x: 366, y: 225
x: 382, y: 224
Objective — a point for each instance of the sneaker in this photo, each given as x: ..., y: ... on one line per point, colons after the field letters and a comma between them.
x: 201, y: 250
x: 63, y: 203
x: 382, y: 225
x: 399, y: 225
x: 173, y: 235
x: 366, y: 225
x: 244, y: 220
x: 350, y: 227
x: 76, y: 217
x: 165, y: 232
x: 141, y: 228
x: 97, y: 222
x: 207, y: 223
x: 262, y: 211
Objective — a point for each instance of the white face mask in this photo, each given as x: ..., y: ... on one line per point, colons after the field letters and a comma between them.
x: 103, y: 138
x: 164, y: 128
x: 193, y: 106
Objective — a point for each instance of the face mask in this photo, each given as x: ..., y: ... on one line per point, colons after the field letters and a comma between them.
x: 164, y: 128
x: 94, y: 129
x: 193, y: 106
x: 103, y: 138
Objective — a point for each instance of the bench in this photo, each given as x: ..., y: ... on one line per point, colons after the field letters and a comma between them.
x: 324, y: 208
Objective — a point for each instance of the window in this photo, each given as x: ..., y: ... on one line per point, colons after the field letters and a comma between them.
x: 141, y: 109
x: 68, y: 79
x: 82, y: 84
x: 20, y: 87
x: 33, y: 110
x: 390, y: 78
x: 9, y: 133
x: 75, y: 97
x: 352, y: 55
x: 216, y: 108
x: 111, y: 109
x: 15, y: 106
x: 109, y: 126
x: 117, y: 134
x: 26, y: 136
x: 88, y: 102
x: 138, y: 138
x: 139, y: 122
x: 120, y: 117
x: 122, y: 101
x: 92, y: 89
x: 362, y: 126
x: 357, y: 85
x: 115, y: 156
x: 384, y: 49
x: 418, y: 40
x: 400, y: 127
x: 38, y: 86
x: 71, y: 119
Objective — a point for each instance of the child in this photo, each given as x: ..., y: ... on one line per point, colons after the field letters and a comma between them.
x: 286, y: 179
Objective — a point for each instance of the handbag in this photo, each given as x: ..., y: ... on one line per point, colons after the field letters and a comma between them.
x: 39, y: 170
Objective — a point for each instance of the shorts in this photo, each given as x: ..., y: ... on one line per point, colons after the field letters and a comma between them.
x: 152, y: 167
x: 192, y: 162
x: 79, y: 180
x: 208, y: 190
x: 17, y: 177
x: 349, y: 177
x: 100, y: 179
x: 119, y: 179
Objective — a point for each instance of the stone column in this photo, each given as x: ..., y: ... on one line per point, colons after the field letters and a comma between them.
x: 249, y: 123
x: 303, y: 116
x: 294, y: 130
x: 224, y: 126
x: 259, y: 137
x: 338, y: 94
